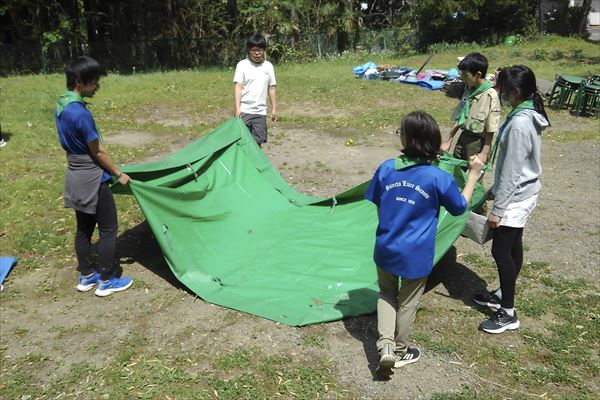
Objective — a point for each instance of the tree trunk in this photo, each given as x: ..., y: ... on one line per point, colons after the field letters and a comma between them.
x: 232, y: 12
x: 586, y: 7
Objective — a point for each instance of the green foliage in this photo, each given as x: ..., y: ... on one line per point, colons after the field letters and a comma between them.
x: 466, y: 394
x: 314, y: 340
x: 567, y: 20
x: 282, y: 50
x: 577, y: 54
x: 458, y: 47
x: 473, y: 20
x: 540, y: 54
x: 436, y: 345
x: 557, y: 54
x: 556, y: 347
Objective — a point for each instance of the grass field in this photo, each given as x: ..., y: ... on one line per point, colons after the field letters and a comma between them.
x: 558, y: 358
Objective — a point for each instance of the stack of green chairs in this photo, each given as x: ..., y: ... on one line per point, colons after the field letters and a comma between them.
x: 564, y: 91
x: 587, y: 99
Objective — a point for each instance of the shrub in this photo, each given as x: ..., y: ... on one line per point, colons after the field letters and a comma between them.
x: 540, y: 54
x: 577, y: 54
x: 469, y: 21
x: 557, y: 54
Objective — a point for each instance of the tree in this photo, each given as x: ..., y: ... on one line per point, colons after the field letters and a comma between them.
x: 472, y: 20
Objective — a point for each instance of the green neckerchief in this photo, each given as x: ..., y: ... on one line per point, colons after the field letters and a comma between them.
x: 526, y: 105
x: 67, y: 98
x: 466, y: 108
x: 403, y: 161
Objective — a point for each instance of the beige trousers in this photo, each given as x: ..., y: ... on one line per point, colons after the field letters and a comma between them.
x: 397, y: 309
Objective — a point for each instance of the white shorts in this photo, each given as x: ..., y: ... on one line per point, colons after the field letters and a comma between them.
x: 517, y: 213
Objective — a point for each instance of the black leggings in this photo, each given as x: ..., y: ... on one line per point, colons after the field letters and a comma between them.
x: 507, y: 250
x: 106, y: 218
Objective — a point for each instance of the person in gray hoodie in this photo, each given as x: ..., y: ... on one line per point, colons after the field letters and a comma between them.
x: 515, y: 189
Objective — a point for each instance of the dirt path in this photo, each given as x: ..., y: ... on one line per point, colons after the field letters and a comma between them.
x: 563, y: 232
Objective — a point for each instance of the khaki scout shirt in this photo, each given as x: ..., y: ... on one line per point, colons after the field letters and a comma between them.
x: 484, y: 113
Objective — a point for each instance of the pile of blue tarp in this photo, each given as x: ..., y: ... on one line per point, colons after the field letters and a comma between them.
x: 428, y: 79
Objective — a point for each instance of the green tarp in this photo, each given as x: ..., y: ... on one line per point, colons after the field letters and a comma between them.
x: 235, y: 233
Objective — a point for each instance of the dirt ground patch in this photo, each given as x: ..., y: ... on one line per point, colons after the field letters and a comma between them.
x: 41, y: 313
x: 131, y: 138
x: 312, y: 109
x: 166, y: 115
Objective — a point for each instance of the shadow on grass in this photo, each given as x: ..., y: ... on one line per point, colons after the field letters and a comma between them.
x: 5, y: 135
x: 460, y: 282
x: 364, y: 329
x: 139, y: 245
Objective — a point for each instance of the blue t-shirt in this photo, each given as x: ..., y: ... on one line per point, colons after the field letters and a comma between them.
x: 76, y: 128
x: 409, y: 201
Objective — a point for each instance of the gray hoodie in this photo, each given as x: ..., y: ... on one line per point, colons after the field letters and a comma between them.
x: 519, y: 165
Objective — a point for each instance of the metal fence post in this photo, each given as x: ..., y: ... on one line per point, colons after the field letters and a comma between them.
x: 319, y: 45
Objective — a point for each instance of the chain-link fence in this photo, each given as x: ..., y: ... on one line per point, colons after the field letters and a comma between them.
x: 169, y: 54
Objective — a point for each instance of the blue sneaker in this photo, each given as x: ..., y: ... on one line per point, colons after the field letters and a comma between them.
x: 87, y: 282
x: 113, y: 285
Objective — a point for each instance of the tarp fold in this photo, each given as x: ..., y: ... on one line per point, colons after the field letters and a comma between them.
x: 235, y: 233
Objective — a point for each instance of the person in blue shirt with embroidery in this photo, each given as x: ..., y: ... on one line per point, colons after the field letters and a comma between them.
x: 408, y: 193
x: 89, y: 171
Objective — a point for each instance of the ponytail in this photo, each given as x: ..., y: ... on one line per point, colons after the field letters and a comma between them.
x: 538, y: 104
x: 522, y: 78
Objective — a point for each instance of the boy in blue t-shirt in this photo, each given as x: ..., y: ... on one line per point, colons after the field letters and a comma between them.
x: 408, y: 193
x: 90, y: 169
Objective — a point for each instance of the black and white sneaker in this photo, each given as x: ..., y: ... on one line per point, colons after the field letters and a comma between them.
x: 412, y: 355
x: 387, y: 358
x: 499, y: 322
x: 489, y: 299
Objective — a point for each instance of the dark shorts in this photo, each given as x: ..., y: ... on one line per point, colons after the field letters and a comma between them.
x: 467, y: 145
x: 257, y: 124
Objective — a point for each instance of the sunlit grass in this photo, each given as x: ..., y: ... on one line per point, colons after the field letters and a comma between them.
x: 560, y: 352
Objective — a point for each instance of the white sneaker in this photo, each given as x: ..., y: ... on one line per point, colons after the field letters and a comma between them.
x: 387, y: 359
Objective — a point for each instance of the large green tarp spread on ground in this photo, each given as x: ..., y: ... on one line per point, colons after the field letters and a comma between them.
x: 235, y: 233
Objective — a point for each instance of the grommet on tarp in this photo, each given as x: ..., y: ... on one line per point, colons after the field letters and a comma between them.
x: 333, y: 204
x: 167, y: 238
x: 189, y: 168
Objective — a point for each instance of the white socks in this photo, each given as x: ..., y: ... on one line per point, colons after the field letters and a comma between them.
x: 509, y: 311
x: 498, y: 293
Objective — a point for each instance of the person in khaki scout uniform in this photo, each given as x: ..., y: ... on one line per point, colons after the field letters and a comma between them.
x: 478, y: 114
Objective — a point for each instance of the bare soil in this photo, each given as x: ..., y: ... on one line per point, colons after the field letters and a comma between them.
x: 41, y: 313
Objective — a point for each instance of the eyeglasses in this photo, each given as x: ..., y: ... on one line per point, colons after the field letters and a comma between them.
x: 256, y: 50
x: 398, y: 132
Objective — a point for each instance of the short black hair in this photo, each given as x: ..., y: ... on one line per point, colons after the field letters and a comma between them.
x: 474, y: 62
x: 422, y: 137
x: 256, y: 40
x: 83, y: 69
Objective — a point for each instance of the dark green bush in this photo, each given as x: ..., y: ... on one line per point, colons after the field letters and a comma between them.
x: 482, y: 21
